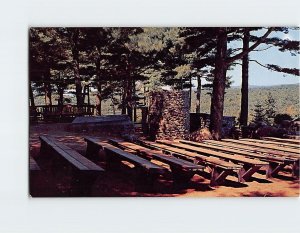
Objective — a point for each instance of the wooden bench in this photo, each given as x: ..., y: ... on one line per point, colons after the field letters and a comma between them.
x: 250, y: 166
x: 146, y: 171
x: 34, y: 177
x: 287, y: 150
x: 285, y: 140
x: 256, y: 149
x: 182, y: 170
x: 84, y: 171
x: 33, y: 166
x: 275, y: 144
x: 276, y: 164
x: 219, y: 169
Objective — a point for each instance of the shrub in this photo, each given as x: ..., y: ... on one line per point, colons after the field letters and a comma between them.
x: 279, y: 118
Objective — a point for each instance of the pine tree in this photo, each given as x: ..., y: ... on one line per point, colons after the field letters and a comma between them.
x: 283, y: 45
x: 259, y: 114
x: 221, y: 64
x: 270, y: 111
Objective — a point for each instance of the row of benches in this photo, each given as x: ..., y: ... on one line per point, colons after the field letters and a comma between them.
x: 184, y: 158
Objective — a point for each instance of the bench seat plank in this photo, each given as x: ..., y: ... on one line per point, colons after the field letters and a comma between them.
x: 209, y: 160
x: 236, y: 151
x: 156, y: 154
x: 207, y: 152
x: 285, y: 140
x: 294, y: 151
x: 256, y: 149
x: 72, y: 156
x: 182, y: 170
x: 275, y: 144
x: 136, y: 160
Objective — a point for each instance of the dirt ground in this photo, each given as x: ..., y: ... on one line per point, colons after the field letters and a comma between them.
x: 121, y: 181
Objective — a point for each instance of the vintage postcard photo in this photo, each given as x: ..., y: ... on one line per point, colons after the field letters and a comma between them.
x: 164, y: 111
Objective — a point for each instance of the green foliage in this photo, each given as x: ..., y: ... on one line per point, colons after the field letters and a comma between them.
x: 259, y: 114
x: 113, y: 60
x: 285, y: 96
x: 279, y: 118
x: 270, y: 108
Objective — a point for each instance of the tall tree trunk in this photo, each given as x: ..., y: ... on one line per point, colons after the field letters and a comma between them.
x: 191, y: 89
x: 61, y: 96
x: 245, y: 80
x: 99, y: 87
x: 217, y: 102
x: 48, y: 95
x: 99, y: 99
x: 75, y: 52
x: 198, y: 96
x: 47, y: 88
x: 129, y: 98
x: 78, y: 86
x: 113, y: 103
x: 144, y: 94
x: 134, y: 101
x: 31, y: 97
x: 60, y: 87
x: 88, y: 94
x: 124, y: 96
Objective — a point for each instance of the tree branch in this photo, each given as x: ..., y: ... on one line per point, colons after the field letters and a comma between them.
x: 263, y: 49
x: 291, y: 71
x: 237, y: 63
x: 257, y: 43
x: 260, y: 64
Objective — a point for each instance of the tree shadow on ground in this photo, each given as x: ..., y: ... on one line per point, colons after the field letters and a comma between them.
x: 259, y: 180
x: 286, y: 177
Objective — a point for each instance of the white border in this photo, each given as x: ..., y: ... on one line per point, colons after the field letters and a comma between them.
x: 18, y: 213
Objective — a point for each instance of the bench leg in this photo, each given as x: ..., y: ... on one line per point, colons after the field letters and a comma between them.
x: 274, y: 168
x: 180, y: 176
x: 44, y: 150
x: 82, y: 183
x: 247, y: 171
x: 144, y: 180
x: 92, y: 152
x: 112, y: 162
x: 35, y: 180
x: 218, y: 176
x: 295, y: 169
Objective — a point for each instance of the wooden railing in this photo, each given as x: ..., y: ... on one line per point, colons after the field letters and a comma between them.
x: 58, y: 112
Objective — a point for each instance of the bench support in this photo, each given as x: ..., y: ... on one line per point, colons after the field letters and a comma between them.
x: 295, y: 169
x: 218, y: 176
x: 35, y: 179
x: 247, y: 171
x: 92, y: 151
x: 144, y: 180
x: 82, y: 183
x: 180, y: 175
x: 274, y: 168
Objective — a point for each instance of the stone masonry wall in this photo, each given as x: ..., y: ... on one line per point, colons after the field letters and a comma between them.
x: 169, y: 116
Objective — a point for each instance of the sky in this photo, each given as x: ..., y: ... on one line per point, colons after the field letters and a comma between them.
x: 261, y: 76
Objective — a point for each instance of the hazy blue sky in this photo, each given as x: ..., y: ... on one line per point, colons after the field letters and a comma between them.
x: 263, y: 77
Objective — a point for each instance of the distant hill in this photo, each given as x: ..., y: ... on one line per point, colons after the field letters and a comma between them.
x: 286, y: 97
